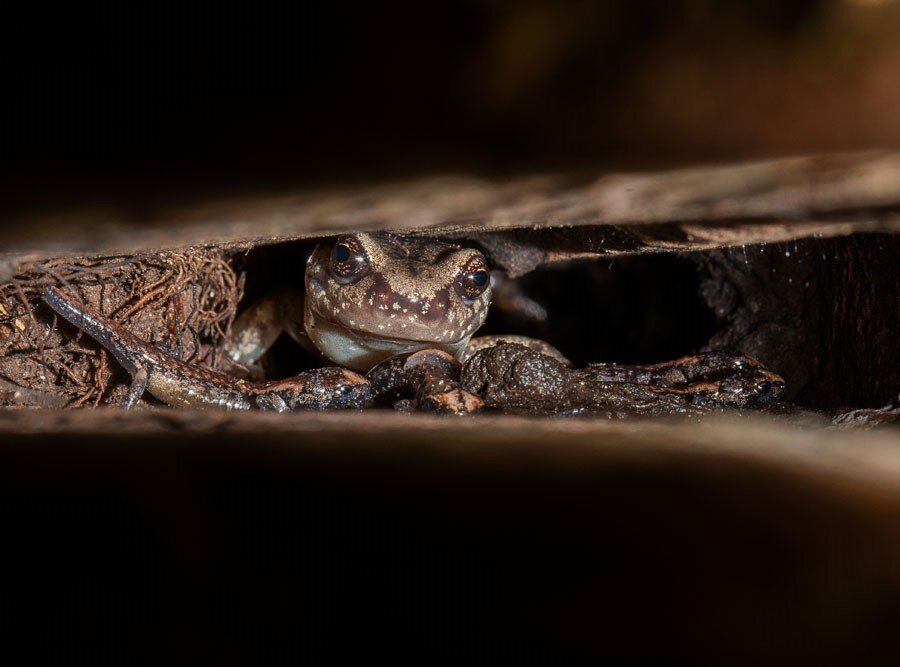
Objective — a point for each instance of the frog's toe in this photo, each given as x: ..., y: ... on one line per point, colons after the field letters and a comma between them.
x: 452, y: 402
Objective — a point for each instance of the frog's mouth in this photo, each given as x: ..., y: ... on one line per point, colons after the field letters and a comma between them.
x: 361, y: 350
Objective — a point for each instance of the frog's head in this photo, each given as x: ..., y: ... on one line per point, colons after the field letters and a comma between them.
x: 371, y: 296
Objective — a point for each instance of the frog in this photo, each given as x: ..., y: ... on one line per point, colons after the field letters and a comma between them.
x: 370, y: 296
x: 388, y: 305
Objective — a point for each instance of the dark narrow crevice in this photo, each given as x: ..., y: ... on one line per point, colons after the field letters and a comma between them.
x: 631, y: 309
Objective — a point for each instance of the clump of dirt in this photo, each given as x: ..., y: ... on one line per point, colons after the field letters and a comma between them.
x: 182, y: 301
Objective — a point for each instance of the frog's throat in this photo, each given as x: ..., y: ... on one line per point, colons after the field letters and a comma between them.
x: 361, y: 350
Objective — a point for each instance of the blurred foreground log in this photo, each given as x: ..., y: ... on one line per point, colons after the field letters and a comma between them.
x: 493, y: 541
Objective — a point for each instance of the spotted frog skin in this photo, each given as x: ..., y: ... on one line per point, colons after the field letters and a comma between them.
x: 401, y: 309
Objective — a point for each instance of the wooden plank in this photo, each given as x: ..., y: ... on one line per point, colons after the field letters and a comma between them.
x: 775, y: 199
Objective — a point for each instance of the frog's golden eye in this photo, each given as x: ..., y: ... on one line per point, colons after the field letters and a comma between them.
x: 473, y: 280
x: 349, y: 261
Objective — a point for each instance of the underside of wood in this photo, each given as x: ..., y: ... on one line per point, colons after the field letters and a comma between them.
x: 695, y: 208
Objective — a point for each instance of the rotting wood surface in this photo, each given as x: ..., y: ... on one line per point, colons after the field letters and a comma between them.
x: 765, y: 201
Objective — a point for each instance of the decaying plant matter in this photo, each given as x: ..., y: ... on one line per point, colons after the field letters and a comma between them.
x: 181, y: 301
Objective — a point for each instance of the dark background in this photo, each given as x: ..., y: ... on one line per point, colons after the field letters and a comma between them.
x: 137, y: 101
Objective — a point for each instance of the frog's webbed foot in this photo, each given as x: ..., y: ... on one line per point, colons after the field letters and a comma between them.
x: 318, y: 389
x: 455, y: 401
x: 534, y: 344
x: 256, y: 329
x: 434, y: 375
x: 431, y: 377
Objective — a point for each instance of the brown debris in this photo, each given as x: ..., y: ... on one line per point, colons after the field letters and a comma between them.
x: 183, y: 301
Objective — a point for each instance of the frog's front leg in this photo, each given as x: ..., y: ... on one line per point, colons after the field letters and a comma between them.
x: 257, y: 328
x: 535, y: 344
x: 431, y: 377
